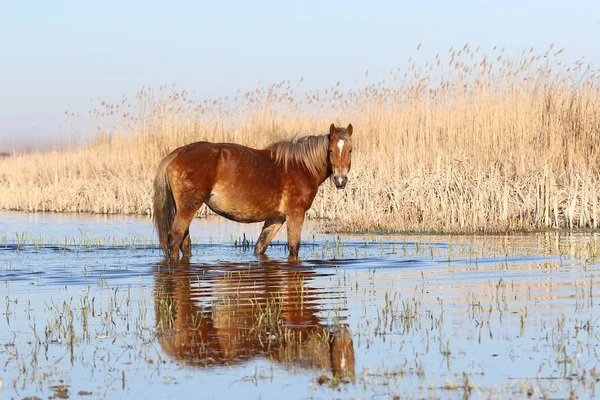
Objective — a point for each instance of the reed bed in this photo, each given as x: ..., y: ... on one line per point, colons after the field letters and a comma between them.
x: 467, y: 142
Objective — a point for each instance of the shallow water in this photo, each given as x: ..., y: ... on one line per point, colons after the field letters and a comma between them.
x: 89, y: 310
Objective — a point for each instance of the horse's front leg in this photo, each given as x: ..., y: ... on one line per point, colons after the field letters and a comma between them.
x: 294, y: 230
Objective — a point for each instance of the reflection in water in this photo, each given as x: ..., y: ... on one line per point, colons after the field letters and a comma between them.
x: 220, y: 315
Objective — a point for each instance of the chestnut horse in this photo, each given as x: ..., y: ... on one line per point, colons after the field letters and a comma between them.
x: 277, y: 184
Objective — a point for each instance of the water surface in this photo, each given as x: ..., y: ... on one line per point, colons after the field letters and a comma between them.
x: 90, y: 309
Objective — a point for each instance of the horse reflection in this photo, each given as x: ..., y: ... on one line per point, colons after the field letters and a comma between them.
x: 224, y: 315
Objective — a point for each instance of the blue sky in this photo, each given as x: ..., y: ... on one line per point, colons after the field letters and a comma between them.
x: 57, y: 55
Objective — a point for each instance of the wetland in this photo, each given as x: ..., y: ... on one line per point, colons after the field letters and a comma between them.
x: 89, y: 310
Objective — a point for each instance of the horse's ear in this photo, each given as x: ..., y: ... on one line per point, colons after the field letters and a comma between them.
x: 332, y: 129
x: 349, y: 129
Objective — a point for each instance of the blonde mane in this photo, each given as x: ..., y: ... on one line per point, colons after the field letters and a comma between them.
x: 309, y: 152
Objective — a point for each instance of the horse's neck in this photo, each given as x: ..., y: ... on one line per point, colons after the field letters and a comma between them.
x: 328, y: 172
x: 322, y: 177
x: 314, y: 180
x: 322, y: 173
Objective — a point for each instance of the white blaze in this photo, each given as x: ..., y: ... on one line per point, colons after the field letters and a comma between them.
x: 341, y: 146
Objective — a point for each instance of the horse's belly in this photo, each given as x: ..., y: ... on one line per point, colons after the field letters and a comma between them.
x: 240, y: 209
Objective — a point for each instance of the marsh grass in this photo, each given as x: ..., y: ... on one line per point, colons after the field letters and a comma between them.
x: 467, y: 142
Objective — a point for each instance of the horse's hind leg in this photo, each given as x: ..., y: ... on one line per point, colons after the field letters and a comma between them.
x: 178, y: 231
x: 186, y: 244
x: 269, y: 231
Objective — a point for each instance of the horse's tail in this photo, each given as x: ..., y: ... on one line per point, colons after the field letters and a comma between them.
x: 163, y: 207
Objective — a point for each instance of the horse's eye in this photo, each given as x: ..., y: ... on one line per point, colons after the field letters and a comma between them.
x: 330, y: 151
x: 350, y: 151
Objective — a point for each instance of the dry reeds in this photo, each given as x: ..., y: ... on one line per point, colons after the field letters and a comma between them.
x: 473, y: 142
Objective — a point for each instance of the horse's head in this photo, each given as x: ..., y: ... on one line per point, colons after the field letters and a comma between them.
x: 340, y: 154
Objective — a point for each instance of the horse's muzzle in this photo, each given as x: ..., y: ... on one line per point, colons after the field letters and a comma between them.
x: 340, y: 181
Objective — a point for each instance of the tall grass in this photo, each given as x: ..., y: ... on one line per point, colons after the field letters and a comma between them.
x: 467, y: 142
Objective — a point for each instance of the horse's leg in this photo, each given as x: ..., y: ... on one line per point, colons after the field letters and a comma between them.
x: 342, y: 353
x: 294, y: 229
x: 186, y: 244
x: 269, y: 230
x: 180, y: 226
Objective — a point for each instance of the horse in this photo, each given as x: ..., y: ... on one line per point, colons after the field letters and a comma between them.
x: 276, y: 185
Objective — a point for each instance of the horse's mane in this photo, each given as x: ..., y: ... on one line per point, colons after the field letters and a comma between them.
x: 309, y: 152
